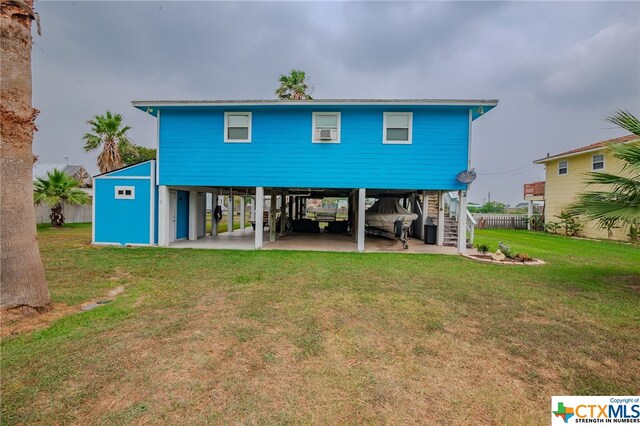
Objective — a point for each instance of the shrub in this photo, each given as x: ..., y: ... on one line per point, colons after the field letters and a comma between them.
x: 552, y: 227
x: 569, y: 221
x: 523, y: 257
x: 537, y: 222
x: 483, y: 248
x: 506, y: 250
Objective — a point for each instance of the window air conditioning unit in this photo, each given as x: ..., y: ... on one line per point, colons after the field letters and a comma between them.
x: 326, y: 134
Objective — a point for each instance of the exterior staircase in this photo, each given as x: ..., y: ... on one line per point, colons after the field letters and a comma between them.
x: 450, y: 231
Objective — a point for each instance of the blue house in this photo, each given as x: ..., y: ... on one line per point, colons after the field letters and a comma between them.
x: 291, y: 151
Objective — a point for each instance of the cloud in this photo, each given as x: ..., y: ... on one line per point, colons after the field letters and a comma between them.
x: 557, y: 67
x: 599, y: 69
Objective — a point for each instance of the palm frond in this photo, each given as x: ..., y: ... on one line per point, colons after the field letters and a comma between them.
x: 57, y: 188
x: 621, y: 202
x: 629, y: 153
x: 293, y: 86
x: 108, y: 131
x: 91, y: 142
x: 623, y: 118
x: 605, y: 207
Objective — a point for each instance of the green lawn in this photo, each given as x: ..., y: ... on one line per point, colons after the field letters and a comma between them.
x: 218, y: 337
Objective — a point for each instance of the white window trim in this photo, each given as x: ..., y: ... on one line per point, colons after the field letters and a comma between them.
x: 226, y: 126
x: 125, y: 188
x: 384, y: 128
x: 563, y: 161
x: 313, y: 127
x: 604, y: 164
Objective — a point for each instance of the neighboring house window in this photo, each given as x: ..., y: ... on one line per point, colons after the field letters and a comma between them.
x: 237, y: 127
x: 125, y: 192
x: 326, y: 127
x: 563, y: 167
x: 598, y: 162
x: 397, y: 127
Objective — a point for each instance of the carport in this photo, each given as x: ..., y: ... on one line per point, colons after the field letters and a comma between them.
x: 286, y: 226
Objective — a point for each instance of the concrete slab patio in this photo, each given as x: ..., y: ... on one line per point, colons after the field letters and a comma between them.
x: 244, y: 240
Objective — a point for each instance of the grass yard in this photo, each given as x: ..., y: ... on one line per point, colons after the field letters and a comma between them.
x: 213, y: 337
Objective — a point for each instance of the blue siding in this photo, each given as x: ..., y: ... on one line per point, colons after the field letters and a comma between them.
x: 142, y: 169
x: 182, y: 217
x: 192, y: 150
x: 122, y: 221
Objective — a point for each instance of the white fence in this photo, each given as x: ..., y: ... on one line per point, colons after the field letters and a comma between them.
x: 72, y: 214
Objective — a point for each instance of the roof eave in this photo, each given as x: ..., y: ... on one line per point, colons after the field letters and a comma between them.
x: 322, y: 102
x: 573, y: 154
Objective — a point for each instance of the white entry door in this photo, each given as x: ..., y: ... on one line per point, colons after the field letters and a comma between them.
x: 173, y: 215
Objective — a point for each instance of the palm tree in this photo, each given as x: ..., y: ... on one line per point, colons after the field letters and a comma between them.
x: 56, y: 189
x: 294, y: 86
x: 22, y: 282
x: 621, y: 204
x: 107, y: 130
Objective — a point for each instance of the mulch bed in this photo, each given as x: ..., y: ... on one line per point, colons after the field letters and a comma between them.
x: 487, y: 259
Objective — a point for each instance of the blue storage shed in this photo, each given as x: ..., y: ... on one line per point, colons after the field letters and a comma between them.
x: 125, y: 209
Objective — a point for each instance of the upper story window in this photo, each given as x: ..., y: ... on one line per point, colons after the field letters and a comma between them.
x: 326, y: 127
x: 237, y: 127
x: 125, y: 192
x: 397, y: 127
x: 563, y: 167
x: 598, y: 162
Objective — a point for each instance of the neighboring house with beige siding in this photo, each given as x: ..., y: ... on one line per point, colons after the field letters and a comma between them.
x: 566, y: 178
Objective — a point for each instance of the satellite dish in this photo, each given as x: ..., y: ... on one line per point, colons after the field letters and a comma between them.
x: 466, y: 176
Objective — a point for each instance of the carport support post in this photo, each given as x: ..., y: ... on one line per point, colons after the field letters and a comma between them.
x: 361, y: 198
x: 425, y: 213
x: 253, y: 210
x: 283, y: 212
x: 272, y: 216
x: 258, y: 216
x: 440, y: 239
x: 462, y: 222
x: 297, y: 208
x: 193, y: 215
x: 163, y: 216
x: 242, y: 208
x: 230, y: 212
x: 214, y: 203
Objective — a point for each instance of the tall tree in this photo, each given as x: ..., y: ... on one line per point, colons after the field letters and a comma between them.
x: 620, y: 204
x: 22, y: 282
x: 107, y: 131
x: 56, y: 189
x: 294, y: 86
x: 134, y: 154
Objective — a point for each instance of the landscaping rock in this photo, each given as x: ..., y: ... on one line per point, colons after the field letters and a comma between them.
x: 498, y: 256
x: 116, y: 291
x: 89, y: 306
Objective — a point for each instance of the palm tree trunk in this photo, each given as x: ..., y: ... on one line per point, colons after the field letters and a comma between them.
x: 56, y: 216
x: 22, y: 281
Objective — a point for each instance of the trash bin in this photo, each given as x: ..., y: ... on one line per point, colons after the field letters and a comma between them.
x: 430, y: 233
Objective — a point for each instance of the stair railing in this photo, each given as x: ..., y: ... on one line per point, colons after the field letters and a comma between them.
x: 471, y: 226
x: 451, y: 199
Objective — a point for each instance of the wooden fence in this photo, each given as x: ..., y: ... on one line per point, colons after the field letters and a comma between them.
x: 72, y: 214
x: 501, y: 221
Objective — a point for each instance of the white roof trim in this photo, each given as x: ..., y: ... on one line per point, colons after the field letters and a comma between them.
x: 105, y: 174
x: 321, y: 102
x: 572, y: 154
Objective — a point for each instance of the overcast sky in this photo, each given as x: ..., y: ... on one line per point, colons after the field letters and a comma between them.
x: 557, y: 68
